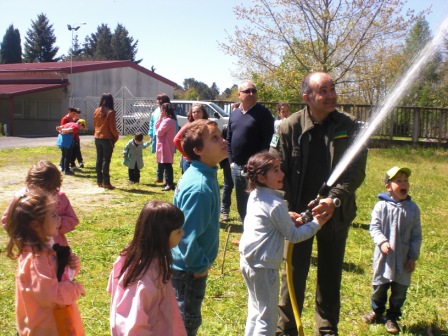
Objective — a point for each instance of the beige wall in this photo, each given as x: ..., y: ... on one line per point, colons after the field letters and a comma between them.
x: 95, y: 83
x: 86, y: 84
x: 47, y: 109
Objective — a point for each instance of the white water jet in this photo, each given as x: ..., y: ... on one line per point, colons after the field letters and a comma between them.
x: 425, y: 55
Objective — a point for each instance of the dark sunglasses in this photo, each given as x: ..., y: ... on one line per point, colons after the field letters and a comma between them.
x: 254, y: 91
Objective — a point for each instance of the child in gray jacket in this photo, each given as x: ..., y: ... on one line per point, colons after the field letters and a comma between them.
x: 133, y: 157
x: 397, y: 233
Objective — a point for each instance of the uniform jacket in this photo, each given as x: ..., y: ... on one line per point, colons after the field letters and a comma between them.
x: 38, y: 293
x: 133, y: 154
x: 266, y: 225
x: 155, y: 116
x: 291, y: 144
x: 69, y: 220
x: 145, y: 308
x: 165, y: 131
x: 399, y: 224
x: 197, y: 195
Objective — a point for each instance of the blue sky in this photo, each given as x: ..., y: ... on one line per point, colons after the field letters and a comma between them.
x: 179, y: 37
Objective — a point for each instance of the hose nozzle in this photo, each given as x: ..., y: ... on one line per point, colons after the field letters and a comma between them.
x: 323, y: 192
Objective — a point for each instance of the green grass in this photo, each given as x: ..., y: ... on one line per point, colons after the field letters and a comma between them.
x: 108, y: 217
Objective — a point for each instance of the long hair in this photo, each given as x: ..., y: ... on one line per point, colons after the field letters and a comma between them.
x: 151, y: 241
x: 26, y: 208
x: 163, y: 98
x: 106, y: 103
x: 201, y: 107
x: 44, y: 175
x: 258, y: 164
x: 169, y: 109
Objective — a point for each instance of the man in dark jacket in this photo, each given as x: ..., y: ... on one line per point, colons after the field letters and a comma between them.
x: 310, y: 144
x: 250, y: 130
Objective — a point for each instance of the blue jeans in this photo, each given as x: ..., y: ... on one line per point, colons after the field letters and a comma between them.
x: 227, y: 187
x: 240, y: 183
x: 190, y: 293
x: 66, y: 158
x: 166, y: 168
x: 104, y: 149
x: 396, y: 299
x: 184, y: 164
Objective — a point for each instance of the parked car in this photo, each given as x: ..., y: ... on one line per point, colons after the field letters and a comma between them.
x: 215, y: 113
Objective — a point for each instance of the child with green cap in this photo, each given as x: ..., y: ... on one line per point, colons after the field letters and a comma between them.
x: 397, y: 233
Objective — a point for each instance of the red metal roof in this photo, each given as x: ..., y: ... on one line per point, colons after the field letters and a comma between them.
x: 19, y: 89
x: 78, y: 67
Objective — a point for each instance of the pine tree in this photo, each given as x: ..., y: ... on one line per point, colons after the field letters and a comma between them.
x: 11, y: 49
x: 103, y: 45
x: 39, y: 42
x: 97, y: 46
x: 123, y: 45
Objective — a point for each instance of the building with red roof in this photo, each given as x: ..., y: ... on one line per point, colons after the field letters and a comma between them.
x: 35, y: 96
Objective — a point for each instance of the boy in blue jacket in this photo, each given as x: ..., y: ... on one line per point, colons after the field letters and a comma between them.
x: 197, y: 195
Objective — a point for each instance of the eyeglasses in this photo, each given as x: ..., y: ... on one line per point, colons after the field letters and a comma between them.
x: 253, y: 91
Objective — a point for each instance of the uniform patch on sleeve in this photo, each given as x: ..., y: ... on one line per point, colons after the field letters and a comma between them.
x: 341, y: 134
x: 274, y: 141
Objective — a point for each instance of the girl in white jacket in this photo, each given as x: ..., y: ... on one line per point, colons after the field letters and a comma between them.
x: 266, y: 225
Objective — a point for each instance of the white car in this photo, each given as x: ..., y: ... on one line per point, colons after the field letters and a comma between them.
x: 215, y: 113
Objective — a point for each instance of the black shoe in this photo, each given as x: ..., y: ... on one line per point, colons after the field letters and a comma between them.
x: 372, y: 318
x: 69, y: 172
x: 224, y: 216
x: 392, y: 327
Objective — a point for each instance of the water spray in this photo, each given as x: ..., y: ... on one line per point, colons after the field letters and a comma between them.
x: 425, y: 55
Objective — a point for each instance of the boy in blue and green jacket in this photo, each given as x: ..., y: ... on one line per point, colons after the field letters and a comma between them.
x: 197, y: 195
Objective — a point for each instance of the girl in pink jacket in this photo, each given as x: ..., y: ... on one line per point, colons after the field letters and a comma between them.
x: 143, y: 301
x: 46, y: 176
x: 166, y: 130
x: 44, y: 285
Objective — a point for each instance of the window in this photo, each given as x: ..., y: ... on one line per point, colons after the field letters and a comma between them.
x: 38, y: 109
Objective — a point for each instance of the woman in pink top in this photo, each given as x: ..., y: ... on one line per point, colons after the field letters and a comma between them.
x: 46, y: 176
x: 165, y: 131
x: 143, y: 301
x: 41, y: 287
x: 197, y: 111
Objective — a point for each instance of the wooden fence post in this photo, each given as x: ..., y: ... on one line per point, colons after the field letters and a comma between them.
x: 416, y: 126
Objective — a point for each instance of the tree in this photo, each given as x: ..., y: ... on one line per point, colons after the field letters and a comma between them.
x: 75, y: 51
x: 123, y: 45
x: 311, y: 35
x: 230, y: 94
x: 103, y: 45
x: 201, y: 89
x: 39, y: 42
x: 421, y: 94
x: 11, y: 49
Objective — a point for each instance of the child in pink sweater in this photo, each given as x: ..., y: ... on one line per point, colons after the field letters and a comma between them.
x: 143, y: 301
x: 43, y: 284
x: 46, y: 176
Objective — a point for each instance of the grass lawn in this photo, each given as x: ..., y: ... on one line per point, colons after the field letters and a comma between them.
x: 107, y: 220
